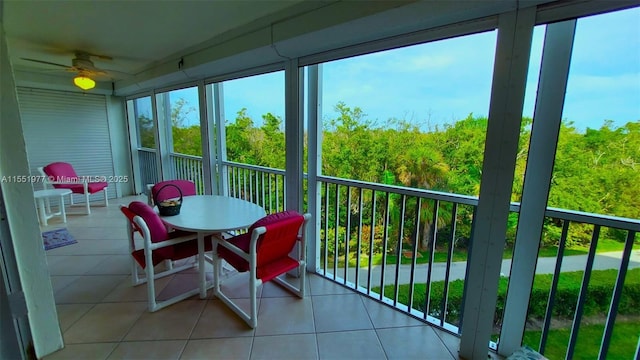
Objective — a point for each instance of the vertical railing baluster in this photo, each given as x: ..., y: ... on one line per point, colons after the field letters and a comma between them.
x: 414, y: 252
x: 201, y: 175
x: 277, y: 193
x: 554, y: 286
x: 270, y: 191
x: 244, y: 184
x: 256, y: 186
x: 264, y: 201
x: 358, y: 254
x: 251, y: 172
x: 403, y: 205
x: 573, y: 338
x: 236, y: 182
x: 326, y: 227
x: 336, y: 235
x: 347, y: 234
x: 452, y: 239
x: 372, y: 239
x: 385, y: 242
x: 432, y: 254
x: 284, y: 191
x: 236, y: 175
x: 617, y: 293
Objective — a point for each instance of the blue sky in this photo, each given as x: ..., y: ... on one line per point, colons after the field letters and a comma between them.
x: 440, y: 82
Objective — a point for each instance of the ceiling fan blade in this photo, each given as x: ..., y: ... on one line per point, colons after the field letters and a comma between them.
x: 85, y: 54
x: 101, y: 57
x: 47, y: 62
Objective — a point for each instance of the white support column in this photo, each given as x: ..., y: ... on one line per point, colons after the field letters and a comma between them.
x: 314, y: 162
x: 294, y: 135
x: 501, y: 146
x: 221, y: 176
x: 157, y: 135
x: 208, y: 144
x: 166, y: 141
x: 134, y: 140
x: 547, y: 117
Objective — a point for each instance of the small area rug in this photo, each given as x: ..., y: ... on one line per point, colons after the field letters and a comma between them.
x: 57, y: 238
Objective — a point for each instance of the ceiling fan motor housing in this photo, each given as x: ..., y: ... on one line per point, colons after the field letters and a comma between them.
x: 82, y: 63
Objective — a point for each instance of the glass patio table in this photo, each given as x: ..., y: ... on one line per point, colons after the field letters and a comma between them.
x: 212, y: 214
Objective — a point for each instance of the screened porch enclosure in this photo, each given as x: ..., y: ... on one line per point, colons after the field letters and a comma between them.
x: 434, y: 255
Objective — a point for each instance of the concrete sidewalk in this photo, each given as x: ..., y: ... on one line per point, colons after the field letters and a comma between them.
x: 546, y: 265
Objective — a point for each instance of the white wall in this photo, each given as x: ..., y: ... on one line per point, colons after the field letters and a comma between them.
x: 22, y: 218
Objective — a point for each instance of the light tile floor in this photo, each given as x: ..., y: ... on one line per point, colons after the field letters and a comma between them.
x: 103, y: 317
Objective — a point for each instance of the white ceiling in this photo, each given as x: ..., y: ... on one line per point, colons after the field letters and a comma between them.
x: 159, y: 43
x: 136, y: 34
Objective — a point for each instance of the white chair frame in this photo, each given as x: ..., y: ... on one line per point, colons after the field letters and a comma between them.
x: 150, y: 271
x: 252, y: 318
x: 48, y: 184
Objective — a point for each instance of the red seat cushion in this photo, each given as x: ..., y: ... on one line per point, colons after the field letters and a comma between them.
x: 60, y: 171
x: 273, y: 247
x: 186, y: 187
x: 158, y: 233
x: 64, y: 172
x: 156, y: 227
x: 273, y: 218
x: 79, y: 188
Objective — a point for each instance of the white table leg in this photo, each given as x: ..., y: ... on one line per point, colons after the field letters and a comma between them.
x: 216, y: 265
x: 48, y: 205
x: 43, y: 215
x: 63, y: 213
x: 201, y: 269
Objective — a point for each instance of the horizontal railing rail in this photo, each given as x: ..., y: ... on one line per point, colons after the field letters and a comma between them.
x: 595, y: 219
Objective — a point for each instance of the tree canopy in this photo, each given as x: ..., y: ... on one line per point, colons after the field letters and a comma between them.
x: 595, y: 171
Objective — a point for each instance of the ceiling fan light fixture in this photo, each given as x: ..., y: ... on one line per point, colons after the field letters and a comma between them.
x: 84, y: 83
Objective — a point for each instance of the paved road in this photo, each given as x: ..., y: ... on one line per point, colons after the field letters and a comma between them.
x: 603, y: 261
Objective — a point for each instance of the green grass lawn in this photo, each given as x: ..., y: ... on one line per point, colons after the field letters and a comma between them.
x: 623, y: 341
x: 604, y: 245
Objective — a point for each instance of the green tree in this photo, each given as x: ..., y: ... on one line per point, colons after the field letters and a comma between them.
x: 186, y: 139
x: 146, y: 132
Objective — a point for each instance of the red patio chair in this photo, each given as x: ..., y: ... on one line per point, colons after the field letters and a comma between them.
x: 187, y: 187
x: 159, y: 245
x: 61, y: 175
x: 264, y: 252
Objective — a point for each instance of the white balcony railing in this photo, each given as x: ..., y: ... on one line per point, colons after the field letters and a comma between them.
x: 260, y: 185
x: 148, y: 166
x: 366, y: 228
x: 372, y: 235
x: 188, y: 167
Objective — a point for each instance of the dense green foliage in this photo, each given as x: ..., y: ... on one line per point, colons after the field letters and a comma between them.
x: 597, y: 302
x: 596, y: 171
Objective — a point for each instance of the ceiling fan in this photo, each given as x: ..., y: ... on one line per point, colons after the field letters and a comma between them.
x: 83, y: 67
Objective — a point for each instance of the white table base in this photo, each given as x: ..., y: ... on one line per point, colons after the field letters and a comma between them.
x: 43, y: 202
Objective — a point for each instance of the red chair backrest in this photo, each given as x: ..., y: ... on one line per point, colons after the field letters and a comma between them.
x: 60, y: 171
x: 282, y: 233
x: 130, y: 215
x: 157, y: 230
x: 186, y: 186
